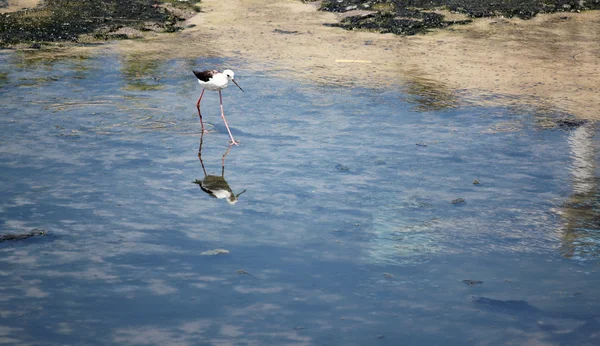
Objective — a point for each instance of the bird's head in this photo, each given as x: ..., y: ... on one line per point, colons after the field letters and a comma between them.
x: 229, y: 75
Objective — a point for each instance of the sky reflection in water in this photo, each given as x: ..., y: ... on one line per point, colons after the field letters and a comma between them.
x: 345, y: 233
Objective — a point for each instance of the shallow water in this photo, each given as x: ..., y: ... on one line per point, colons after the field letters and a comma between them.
x: 346, y: 233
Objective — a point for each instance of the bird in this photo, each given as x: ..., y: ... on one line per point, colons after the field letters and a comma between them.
x: 215, y: 81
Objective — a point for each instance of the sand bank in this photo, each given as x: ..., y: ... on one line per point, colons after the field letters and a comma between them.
x: 549, y: 62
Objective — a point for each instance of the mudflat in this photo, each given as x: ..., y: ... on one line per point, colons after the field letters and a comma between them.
x: 548, y: 63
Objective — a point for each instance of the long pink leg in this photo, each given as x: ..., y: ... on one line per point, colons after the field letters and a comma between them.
x: 223, y: 116
x: 198, y: 106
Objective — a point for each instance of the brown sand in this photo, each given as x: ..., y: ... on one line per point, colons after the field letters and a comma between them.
x: 550, y: 62
x: 16, y: 5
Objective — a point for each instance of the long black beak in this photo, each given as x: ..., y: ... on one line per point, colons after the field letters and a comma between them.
x: 234, y: 82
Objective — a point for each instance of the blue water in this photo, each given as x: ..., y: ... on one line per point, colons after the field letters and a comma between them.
x: 346, y: 233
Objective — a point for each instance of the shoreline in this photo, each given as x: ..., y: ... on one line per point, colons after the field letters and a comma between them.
x: 525, y: 62
x: 548, y: 64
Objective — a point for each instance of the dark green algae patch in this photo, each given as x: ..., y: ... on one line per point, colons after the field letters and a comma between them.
x: 409, y: 17
x: 92, y: 20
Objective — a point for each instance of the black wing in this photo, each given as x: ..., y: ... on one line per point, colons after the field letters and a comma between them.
x: 205, y: 76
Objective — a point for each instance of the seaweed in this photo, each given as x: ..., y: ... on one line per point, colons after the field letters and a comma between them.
x: 409, y: 17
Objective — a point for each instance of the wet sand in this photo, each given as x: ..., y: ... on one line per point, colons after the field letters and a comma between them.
x: 16, y: 5
x: 550, y: 62
x: 547, y: 64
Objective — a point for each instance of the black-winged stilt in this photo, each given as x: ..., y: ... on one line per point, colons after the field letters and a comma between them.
x: 216, y: 81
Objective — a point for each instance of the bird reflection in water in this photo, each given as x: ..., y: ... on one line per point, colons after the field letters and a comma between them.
x: 216, y: 185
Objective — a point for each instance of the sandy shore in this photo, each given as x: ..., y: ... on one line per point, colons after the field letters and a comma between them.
x: 549, y: 62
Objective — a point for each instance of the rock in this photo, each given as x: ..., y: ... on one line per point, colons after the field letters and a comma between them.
x: 285, y: 32
x: 74, y: 21
x: 342, y: 168
x: 472, y: 282
x: 21, y: 236
x: 570, y: 123
x: 243, y: 272
x: 125, y: 33
x: 413, y: 17
x: 458, y: 200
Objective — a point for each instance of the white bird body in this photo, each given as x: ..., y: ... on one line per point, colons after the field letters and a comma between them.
x: 217, y: 82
